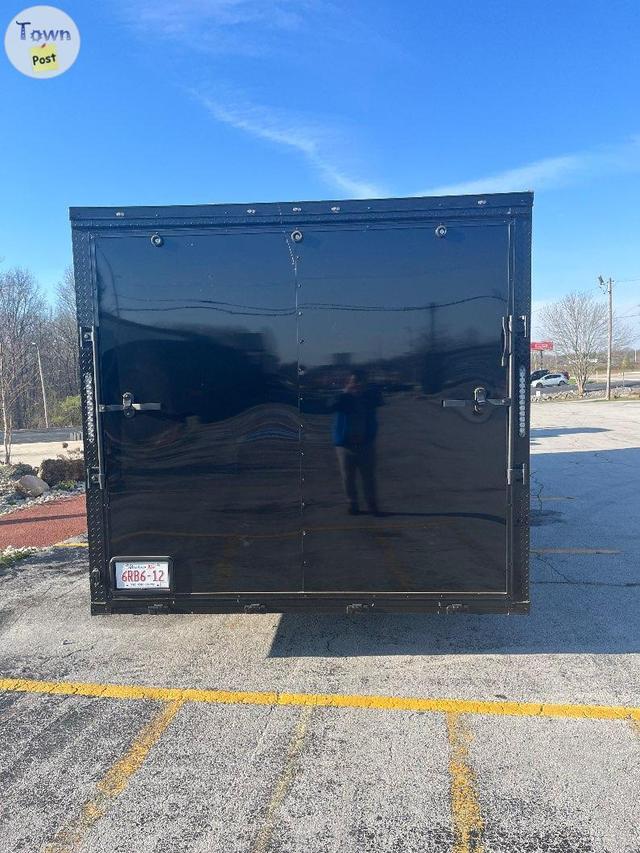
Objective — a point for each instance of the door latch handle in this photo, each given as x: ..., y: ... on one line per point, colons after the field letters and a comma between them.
x: 479, y: 398
x: 128, y: 407
x: 479, y: 401
x: 506, y: 349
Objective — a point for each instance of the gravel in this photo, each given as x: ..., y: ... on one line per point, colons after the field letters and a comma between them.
x: 10, y: 500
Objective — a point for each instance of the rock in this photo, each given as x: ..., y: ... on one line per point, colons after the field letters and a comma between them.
x: 62, y: 469
x: 31, y: 486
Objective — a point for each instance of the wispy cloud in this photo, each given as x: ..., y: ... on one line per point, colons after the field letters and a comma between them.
x: 255, y: 28
x: 553, y: 172
x: 242, y: 27
x: 282, y: 31
x: 314, y: 142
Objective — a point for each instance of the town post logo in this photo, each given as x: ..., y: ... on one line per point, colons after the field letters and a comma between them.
x: 42, y: 41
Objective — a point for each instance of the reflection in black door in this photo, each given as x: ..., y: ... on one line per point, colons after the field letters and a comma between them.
x: 302, y: 443
x: 401, y: 492
x: 205, y: 325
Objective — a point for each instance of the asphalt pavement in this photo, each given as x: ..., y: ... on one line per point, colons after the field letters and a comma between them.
x: 402, y: 733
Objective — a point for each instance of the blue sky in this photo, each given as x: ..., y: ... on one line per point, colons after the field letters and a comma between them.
x: 260, y: 100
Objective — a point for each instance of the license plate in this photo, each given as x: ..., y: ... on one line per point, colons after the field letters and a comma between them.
x: 147, y: 574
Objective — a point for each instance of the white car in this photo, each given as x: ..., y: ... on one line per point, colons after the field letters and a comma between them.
x: 550, y: 379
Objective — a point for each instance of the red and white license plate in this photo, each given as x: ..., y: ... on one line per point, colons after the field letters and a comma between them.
x: 152, y: 574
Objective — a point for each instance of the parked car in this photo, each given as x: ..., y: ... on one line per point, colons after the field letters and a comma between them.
x: 538, y: 374
x: 550, y: 379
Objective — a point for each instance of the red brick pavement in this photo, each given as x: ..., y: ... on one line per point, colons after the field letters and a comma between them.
x: 44, y: 524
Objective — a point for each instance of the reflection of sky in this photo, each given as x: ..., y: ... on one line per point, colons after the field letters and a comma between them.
x: 365, y: 291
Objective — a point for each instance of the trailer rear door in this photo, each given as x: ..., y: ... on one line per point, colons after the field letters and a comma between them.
x: 422, y: 317
x: 307, y: 404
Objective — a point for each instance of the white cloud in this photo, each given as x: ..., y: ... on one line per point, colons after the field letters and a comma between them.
x: 265, y: 29
x: 312, y: 141
x: 551, y: 172
x: 254, y: 28
x: 223, y: 26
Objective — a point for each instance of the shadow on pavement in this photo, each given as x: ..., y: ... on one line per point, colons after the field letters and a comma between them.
x: 560, y: 622
x: 551, y: 432
x: 582, y: 603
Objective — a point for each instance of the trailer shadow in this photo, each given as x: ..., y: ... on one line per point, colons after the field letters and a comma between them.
x: 552, y: 432
x: 585, y: 583
x: 548, y: 629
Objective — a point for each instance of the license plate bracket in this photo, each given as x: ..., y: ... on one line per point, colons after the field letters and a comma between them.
x: 141, y: 575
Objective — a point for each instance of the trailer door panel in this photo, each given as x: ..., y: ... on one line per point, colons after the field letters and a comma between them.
x: 202, y: 457
x: 404, y: 386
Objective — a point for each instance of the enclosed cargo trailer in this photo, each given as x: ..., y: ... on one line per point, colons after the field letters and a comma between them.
x: 310, y: 405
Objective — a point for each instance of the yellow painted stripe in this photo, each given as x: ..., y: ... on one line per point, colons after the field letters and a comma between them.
x: 70, y: 837
x: 466, y: 817
x: 285, y: 780
x: 323, y: 700
x: 71, y: 545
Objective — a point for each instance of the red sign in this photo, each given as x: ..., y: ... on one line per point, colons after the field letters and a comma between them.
x: 541, y: 345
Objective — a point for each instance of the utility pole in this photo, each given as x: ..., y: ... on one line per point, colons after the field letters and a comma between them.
x: 44, y: 394
x: 607, y: 286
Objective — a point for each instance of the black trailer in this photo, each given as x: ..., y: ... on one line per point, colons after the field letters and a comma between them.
x: 310, y: 405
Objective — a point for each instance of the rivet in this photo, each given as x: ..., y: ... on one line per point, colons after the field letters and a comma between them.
x: 156, y: 240
x: 441, y: 230
x: 296, y: 236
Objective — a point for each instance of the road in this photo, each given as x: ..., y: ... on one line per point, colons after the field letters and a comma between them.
x: 591, y: 386
x: 309, y: 733
x: 32, y: 436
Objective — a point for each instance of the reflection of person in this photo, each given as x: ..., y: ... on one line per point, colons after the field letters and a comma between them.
x: 354, y: 435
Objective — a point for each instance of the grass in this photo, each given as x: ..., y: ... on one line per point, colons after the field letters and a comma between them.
x: 65, y: 485
x: 10, y: 556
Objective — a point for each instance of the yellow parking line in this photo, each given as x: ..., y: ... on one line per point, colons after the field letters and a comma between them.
x: 322, y: 700
x: 288, y: 774
x: 113, y: 783
x: 467, y: 820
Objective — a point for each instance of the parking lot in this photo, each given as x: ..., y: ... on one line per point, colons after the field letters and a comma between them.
x: 468, y: 734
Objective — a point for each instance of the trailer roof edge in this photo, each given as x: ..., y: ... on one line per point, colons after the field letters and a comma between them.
x: 520, y: 201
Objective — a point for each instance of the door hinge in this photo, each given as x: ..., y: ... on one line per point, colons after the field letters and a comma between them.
x: 87, y: 337
x: 456, y: 607
x: 96, y: 478
x: 359, y: 607
x: 255, y: 607
x: 519, y: 474
x: 524, y: 325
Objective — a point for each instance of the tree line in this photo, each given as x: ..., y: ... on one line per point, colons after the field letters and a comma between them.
x: 33, y: 330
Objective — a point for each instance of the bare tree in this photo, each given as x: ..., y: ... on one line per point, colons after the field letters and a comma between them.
x: 577, y: 325
x: 21, y: 317
x: 63, y: 355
